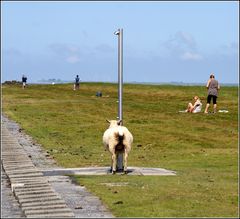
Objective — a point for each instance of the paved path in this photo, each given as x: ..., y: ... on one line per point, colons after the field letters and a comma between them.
x: 9, y: 206
x: 82, y: 203
x: 32, y: 190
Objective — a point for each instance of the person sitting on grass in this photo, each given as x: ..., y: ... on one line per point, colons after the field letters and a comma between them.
x: 196, y: 107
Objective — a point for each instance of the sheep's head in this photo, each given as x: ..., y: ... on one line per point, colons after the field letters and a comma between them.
x: 114, y: 123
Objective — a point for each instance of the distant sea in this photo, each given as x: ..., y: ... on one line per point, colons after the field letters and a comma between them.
x: 182, y: 83
x: 134, y: 82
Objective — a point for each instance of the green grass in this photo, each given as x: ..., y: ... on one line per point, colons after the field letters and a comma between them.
x: 202, y: 149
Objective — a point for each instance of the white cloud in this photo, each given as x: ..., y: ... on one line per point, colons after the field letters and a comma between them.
x: 182, y: 45
x: 228, y: 49
x: 69, y: 53
x: 104, y: 48
x: 73, y: 59
x: 191, y: 56
x: 181, y: 41
x: 73, y: 49
x: 185, y: 38
x: 64, y: 49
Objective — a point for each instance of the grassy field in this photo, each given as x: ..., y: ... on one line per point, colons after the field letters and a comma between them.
x: 201, y: 148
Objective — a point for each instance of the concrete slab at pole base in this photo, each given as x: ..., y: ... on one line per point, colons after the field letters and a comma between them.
x: 144, y: 171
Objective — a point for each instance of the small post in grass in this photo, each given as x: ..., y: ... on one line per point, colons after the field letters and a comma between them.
x: 119, y: 32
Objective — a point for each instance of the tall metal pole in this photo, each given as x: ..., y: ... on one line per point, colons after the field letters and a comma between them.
x: 120, y: 73
x: 120, y: 88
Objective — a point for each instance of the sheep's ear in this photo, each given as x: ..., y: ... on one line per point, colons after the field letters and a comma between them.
x: 119, y: 122
x: 107, y: 120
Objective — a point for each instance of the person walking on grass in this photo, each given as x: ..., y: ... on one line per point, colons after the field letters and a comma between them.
x: 24, y: 81
x: 213, y: 88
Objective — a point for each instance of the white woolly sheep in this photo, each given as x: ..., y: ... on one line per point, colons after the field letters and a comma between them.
x: 117, y: 140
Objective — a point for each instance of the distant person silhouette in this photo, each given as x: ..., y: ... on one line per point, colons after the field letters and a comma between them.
x: 213, y: 88
x: 77, y: 83
x: 24, y: 81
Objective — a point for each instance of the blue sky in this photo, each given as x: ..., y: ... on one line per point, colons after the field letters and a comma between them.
x: 162, y: 41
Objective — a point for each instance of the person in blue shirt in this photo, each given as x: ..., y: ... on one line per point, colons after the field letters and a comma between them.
x: 24, y: 81
x: 77, y: 83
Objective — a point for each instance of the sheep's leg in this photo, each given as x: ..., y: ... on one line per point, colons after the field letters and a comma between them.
x: 114, y: 165
x: 114, y: 159
x: 125, y: 161
x: 111, y: 165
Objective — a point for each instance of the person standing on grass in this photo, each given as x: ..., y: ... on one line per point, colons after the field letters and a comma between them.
x: 213, y: 88
x: 77, y: 83
x: 24, y: 81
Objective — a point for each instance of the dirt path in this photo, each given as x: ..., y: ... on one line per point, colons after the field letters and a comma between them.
x: 82, y: 203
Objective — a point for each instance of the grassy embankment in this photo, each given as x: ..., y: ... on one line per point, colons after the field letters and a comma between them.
x: 202, y: 148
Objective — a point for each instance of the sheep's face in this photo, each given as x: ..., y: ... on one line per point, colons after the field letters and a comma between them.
x: 114, y: 123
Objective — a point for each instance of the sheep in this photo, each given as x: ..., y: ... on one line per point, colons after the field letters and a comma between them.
x: 117, y: 140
